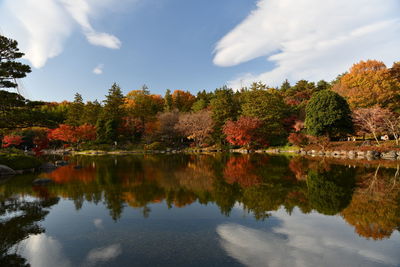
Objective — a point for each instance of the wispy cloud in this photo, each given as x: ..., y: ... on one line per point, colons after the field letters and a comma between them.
x: 311, y: 39
x: 98, y: 69
x: 42, y: 29
x: 80, y: 10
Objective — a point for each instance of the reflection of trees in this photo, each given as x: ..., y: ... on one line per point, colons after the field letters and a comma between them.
x: 18, y: 219
x: 241, y: 170
x: 374, y: 210
x: 260, y: 184
x: 331, y: 191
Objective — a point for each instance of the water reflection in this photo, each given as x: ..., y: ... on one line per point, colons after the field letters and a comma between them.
x: 19, y: 218
x: 295, y: 193
x: 304, y: 240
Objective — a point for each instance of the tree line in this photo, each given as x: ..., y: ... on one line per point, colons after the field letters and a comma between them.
x: 363, y: 101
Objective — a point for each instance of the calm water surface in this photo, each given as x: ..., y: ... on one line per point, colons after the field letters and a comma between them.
x: 204, y: 210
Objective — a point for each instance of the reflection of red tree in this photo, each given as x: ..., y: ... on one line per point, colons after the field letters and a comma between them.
x: 67, y: 174
x: 299, y: 168
x: 241, y: 170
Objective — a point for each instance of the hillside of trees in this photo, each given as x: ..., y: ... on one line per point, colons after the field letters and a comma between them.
x: 362, y: 102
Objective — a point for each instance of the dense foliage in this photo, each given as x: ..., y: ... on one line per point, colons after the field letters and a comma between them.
x: 328, y: 114
x: 255, y: 116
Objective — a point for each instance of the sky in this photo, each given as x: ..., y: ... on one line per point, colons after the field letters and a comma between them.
x: 86, y: 45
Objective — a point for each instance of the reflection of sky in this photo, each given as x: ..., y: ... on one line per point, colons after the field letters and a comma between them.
x: 306, y: 240
x: 189, y: 237
x: 43, y: 250
x: 103, y: 254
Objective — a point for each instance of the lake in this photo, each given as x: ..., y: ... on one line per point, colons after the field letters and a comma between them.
x: 203, y: 210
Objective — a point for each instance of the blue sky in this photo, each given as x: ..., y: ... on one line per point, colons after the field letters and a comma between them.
x: 193, y: 44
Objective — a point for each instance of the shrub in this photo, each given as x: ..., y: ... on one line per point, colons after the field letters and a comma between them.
x: 298, y: 139
x: 155, y: 146
x: 19, y: 161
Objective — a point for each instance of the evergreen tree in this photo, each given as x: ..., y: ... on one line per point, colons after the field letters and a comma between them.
x: 268, y: 106
x: 224, y: 107
x: 111, y: 133
x: 328, y: 114
x: 168, y: 103
x: 112, y: 114
x: 91, y: 112
x: 101, y: 131
x: 323, y: 85
x: 285, y: 86
x: 75, y: 111
x: 113, y: 105
x: 10, y: 70
x: 199, y: 105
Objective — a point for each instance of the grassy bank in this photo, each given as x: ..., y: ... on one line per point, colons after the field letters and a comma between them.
x: 19, y: 161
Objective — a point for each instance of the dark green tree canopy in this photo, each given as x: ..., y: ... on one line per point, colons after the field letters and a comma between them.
x: 224, y: 107
x: 76, y: 111
x: 10, y: 70
x: 113, y: 108
x: 328, y: 114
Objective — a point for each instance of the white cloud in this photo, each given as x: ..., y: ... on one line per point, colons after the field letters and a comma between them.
x: 98, y: 69
x: 42, y: 29
x: 104, y: 254
x: 80, y: 10
x: 312, y: 39
x: 103, y: 39
x: 305, y: 240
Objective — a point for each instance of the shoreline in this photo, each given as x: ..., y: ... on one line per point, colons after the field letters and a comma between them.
x: 344, y: 154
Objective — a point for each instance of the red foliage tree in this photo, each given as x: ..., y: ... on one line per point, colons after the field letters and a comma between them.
x: 244, y: 132
x: 71, y: 134
x: 85, y: 132
x: 12, y: 140
x: 40, y: 140
x: 298, y: 139
x: 64, y: 132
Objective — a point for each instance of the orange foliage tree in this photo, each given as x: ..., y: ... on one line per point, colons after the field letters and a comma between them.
x: 182, y: 100
x: 142, y: 105
x: 370, y: 83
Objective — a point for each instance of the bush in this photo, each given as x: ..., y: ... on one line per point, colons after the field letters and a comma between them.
x: 298, y: 139
x: 155, y: 146
x: 19, y: 161
x: 96, y: 146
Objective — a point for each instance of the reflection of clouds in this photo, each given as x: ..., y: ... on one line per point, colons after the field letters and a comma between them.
x: 98, y: 223
x: 104, y: 253
x: 306, y: 240
x: 42, y: 250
